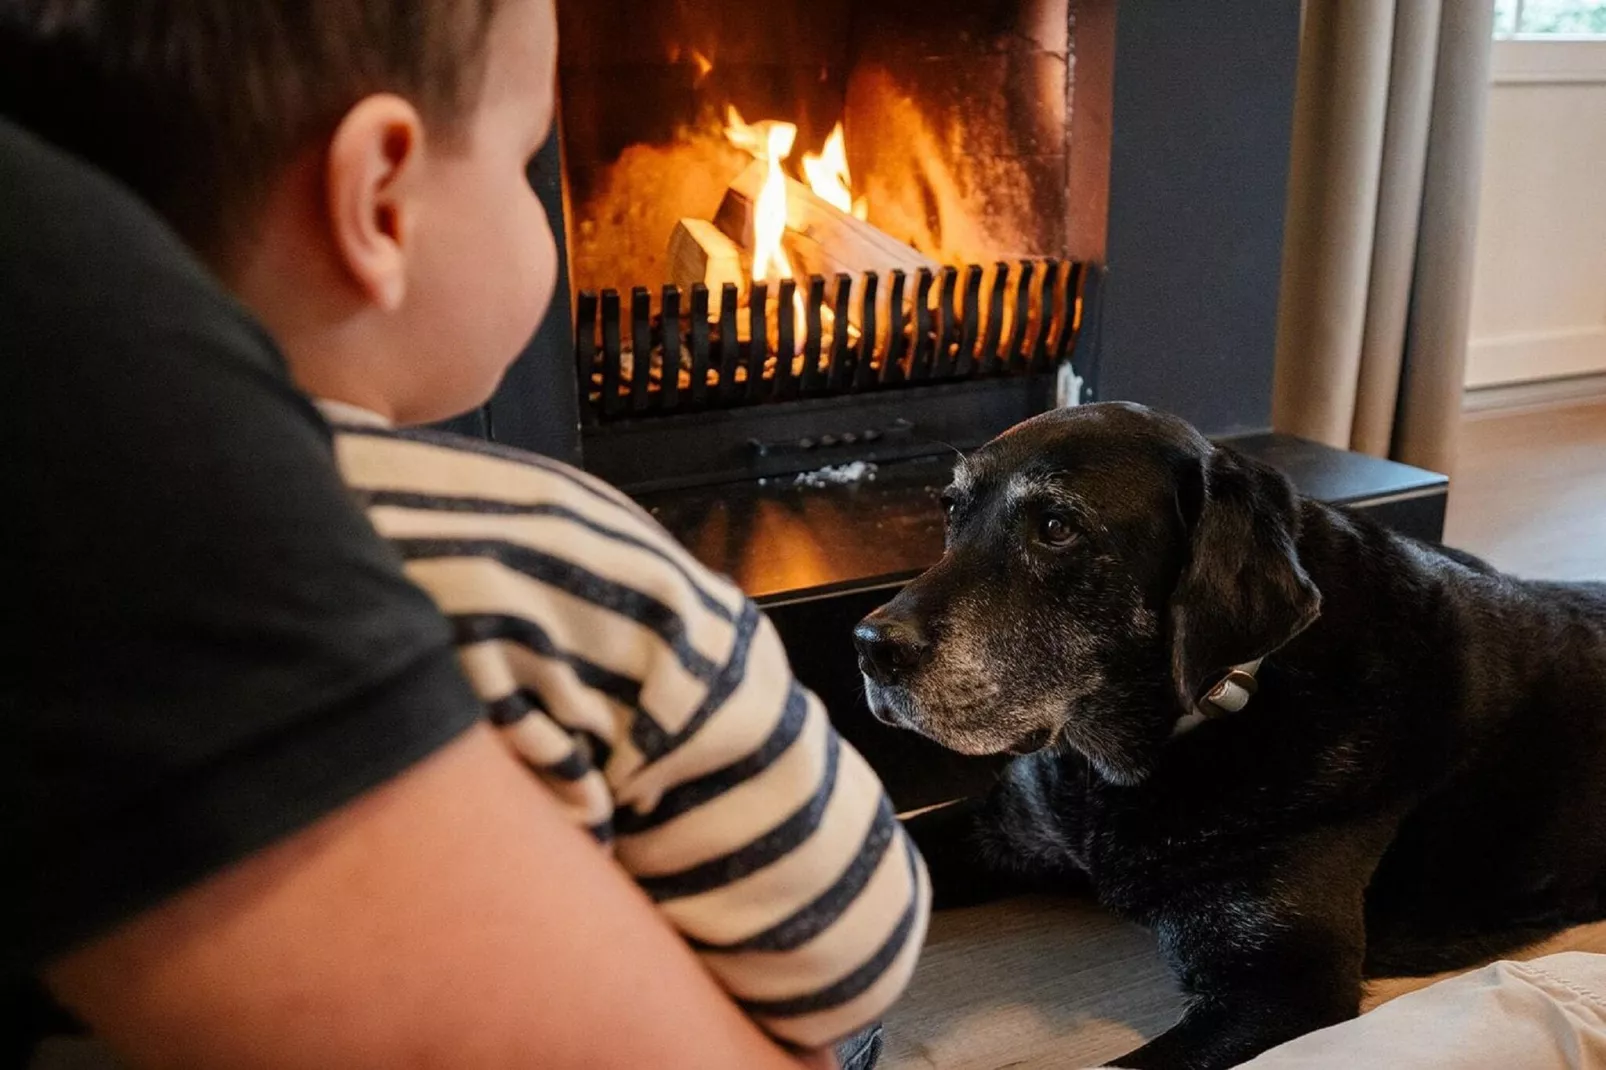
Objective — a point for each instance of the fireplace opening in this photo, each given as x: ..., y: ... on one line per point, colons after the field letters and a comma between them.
x: 807, y: 233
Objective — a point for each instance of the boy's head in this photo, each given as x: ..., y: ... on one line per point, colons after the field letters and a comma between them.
x: 353, y: 169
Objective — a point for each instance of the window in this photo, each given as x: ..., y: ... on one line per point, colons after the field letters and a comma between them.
x: 1550, y: 18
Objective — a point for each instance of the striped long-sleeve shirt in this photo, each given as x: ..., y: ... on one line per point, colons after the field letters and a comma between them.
x: 656, y: 702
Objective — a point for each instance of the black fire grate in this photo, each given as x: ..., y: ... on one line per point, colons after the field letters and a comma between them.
x: 939, y: 330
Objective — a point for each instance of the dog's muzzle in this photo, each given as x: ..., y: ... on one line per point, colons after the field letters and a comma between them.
x: 889, y: 649
x: 1035, y: 740
x: 889, y: 704
x: 889, y: 652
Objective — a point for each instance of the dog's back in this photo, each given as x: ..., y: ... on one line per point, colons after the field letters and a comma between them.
x: 1502, y: 684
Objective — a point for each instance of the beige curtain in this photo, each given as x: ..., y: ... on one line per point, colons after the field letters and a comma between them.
x: 1382, y: 211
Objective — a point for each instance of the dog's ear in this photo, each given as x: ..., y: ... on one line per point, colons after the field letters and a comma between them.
x: 1242, y: 593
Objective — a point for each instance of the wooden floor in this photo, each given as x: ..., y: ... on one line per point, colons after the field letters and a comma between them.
x: 1041, y: 984
x: 1044, y: 984
x: 1529, y: 492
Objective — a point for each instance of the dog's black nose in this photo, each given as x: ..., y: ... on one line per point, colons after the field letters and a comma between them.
x: 888, y: 648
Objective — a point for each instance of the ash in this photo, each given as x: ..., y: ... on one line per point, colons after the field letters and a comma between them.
x: 838, y: 475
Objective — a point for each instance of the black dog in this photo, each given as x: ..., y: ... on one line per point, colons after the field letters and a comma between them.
x: 1412, y: 778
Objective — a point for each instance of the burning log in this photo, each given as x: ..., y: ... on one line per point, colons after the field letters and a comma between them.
x: 701, y: 252
x: 825, y: 239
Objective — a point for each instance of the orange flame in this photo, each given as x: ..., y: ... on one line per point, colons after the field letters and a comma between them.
x: 769, y: 214
x: 771, y: 142
x: 829, y: 177
x: 704, y: 65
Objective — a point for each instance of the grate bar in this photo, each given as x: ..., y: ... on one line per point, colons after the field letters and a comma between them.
x: 853, y: 335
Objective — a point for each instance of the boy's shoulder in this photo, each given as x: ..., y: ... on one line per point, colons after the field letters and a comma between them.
x: 453, y: 466
x: 412, y: 479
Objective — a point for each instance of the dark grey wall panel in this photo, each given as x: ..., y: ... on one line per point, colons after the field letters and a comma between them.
x: 536, y: 407
x: 1204, y: 97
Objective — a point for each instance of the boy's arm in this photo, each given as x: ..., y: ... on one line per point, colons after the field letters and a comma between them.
x: 769, y: 841
x: 762, y: 836
x: 452, y: 917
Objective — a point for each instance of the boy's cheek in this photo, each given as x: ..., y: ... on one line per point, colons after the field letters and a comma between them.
x: 546, y: 265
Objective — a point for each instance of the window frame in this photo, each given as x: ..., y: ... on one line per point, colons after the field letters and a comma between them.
x: 1516, y: 33
x: 1548, y: 59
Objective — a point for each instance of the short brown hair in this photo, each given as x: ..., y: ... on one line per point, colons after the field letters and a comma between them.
x: 199, y: 104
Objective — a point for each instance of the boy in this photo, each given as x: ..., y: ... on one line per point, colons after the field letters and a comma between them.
x: 364, y: 193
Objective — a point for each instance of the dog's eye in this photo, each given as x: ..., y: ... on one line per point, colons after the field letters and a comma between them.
x: 1054, y: 531
x: 949, y: 505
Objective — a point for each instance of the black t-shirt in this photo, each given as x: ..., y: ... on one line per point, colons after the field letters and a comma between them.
x: 209, y: 647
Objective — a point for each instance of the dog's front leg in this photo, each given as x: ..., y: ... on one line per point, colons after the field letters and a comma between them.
x: 1269, y: 956
x: 1016, y: 840
x: 1224, y: 1031
x: 1246, y: 1001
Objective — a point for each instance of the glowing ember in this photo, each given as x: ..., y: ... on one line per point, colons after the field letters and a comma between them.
x: 829, y: 178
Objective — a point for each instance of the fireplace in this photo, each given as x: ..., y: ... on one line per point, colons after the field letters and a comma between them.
x: 1139, y: 146
x: 1065, y: 200
x: 811, y: 234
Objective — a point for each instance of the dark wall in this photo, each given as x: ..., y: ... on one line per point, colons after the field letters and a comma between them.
x: 537, y: 406
x: 1203, y: 110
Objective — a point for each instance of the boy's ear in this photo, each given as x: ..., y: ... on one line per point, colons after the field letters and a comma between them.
x: 371, y: 181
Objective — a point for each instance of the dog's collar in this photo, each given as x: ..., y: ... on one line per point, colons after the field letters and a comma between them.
x: 1230, y: 694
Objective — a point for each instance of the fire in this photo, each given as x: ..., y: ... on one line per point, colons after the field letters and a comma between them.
x: 771, y: 142
x: 704, y: 65
x: 769, y: 214
x: 829, y: 177
x: 750, y: 137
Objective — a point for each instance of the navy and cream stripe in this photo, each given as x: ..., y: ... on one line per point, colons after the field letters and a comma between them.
x: 655, y: 702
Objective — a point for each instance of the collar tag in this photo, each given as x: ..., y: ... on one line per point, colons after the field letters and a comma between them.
x: 1230, y: 694
x: 1233, y: 691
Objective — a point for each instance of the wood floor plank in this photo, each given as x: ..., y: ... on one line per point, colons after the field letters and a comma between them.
x: 1529, y: 493
x: 1030, y: 984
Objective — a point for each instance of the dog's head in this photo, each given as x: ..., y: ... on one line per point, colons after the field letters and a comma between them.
x: 1104, y: 565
